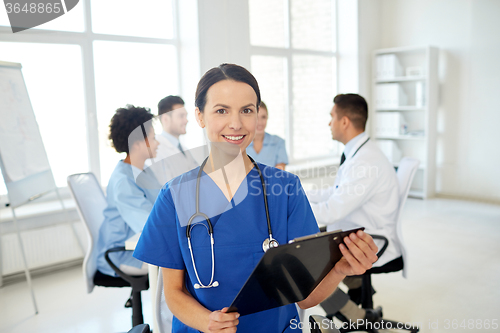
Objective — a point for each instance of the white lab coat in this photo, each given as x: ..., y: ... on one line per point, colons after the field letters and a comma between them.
x: 365, y: 194
x: 170, y: 162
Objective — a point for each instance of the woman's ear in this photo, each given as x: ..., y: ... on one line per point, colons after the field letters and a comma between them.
x: 199, y: 118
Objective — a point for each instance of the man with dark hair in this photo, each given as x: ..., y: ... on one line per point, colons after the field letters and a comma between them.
x: 172, y: 158
x: 365, y: 194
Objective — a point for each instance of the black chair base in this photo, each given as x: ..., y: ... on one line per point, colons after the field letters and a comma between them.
x: 138, y: 284
x: 367, y: 303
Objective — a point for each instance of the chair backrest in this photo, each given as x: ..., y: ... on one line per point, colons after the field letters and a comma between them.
x: 90, y: 202
x: 164, y: 316
x: 406, y: 171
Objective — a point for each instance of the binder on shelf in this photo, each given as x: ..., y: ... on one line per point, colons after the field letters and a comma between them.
x: 390, y: 150
x: 419, y: 94
x: 388, y: 67
x: 390, y: 96
x: 390, y: 124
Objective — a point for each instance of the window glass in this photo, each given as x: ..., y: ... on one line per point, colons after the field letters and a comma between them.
x: 270, y: 73
x: 313, y: 91
x: 71, y: 21
x: 267, y: 23
x: 54, y: 79
x: 145, y: 18
x: 312, y: 24
x: 129, y: 73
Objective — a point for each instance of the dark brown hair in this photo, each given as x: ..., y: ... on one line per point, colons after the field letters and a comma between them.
x: 263, y: 105
x: 167, y: 104
x: 354, y: 107
x: 220, y: 73
x: 124, y: 122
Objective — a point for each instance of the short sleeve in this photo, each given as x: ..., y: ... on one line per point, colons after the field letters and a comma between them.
x: 159, y: 242
x: 132, y: 204
x: 301, y: 220
x: 281, y: 156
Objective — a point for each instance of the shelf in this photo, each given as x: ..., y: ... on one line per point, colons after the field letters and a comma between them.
x: 401, y: 79
x: 402, y: 137
x: 419, y: 109
x: 404, y: 49
x: 403, y: 108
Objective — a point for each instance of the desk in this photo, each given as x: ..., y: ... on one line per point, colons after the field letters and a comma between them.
x: 130, y: 244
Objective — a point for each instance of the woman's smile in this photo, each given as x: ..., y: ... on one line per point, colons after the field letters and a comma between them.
x: 236, y: 139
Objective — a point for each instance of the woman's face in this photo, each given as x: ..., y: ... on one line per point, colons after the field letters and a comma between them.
x: 230, y: 115
x: 144, y: 148
x: 262, y: 121
x: 151, y: 143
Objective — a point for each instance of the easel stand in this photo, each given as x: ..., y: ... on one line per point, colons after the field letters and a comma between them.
x: 23, y: 159
x: 21, y: 245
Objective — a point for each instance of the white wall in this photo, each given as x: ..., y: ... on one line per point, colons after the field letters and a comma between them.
x: 468, y: 33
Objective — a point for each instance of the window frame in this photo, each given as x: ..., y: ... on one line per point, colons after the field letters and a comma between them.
x: 287, y: 53
x: 86, y: 40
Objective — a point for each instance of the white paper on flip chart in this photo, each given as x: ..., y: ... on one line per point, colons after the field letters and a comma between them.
x: 21, y: 145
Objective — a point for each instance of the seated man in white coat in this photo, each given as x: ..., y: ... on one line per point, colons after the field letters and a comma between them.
x: 365, y: 194
x: 172, y: 158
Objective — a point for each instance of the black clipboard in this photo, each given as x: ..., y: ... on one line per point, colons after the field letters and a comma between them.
x: 289, y: 273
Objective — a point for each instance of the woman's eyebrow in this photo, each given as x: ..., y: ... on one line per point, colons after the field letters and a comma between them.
x: 221, y: 105
x: 228, y: 107
x: 251, y: 104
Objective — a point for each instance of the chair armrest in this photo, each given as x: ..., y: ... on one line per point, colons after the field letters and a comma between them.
x: 142, y: 328
x: 130, y: 279
x: 384, y: 247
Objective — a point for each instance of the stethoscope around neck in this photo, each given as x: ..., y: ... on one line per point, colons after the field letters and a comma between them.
x: 266, y: 245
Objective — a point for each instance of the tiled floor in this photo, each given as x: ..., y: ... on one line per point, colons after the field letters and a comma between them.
x: 454, y: 275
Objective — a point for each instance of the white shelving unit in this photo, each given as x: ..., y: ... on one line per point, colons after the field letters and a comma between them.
x: 407, y: 114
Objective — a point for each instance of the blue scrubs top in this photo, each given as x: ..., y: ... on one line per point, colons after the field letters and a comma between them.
x: 129, y: 205
x: 239, y: 227
x: 273, y: 151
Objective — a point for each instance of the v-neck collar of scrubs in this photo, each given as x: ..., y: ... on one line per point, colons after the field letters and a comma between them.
x: 265, y: 141
x: 232, y: 202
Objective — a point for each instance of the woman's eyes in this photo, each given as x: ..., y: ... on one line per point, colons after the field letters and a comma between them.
x: 224, y: 111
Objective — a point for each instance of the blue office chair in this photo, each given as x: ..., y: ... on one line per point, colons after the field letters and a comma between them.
x: 91, y: 202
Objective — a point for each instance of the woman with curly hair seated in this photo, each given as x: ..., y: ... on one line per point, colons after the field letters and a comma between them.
x: 130, y: 198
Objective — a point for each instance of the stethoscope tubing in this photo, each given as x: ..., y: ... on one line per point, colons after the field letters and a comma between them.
x: 271, y: 241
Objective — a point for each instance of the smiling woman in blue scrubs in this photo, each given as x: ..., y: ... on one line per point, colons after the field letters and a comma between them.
x: 230, y: 194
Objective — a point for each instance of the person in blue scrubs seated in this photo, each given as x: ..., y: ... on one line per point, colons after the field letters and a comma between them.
x: 129, y: 201
x: 267, y: 148
x: 201, y: 279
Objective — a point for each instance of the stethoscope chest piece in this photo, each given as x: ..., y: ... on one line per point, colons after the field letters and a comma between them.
x: 269, y: 243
